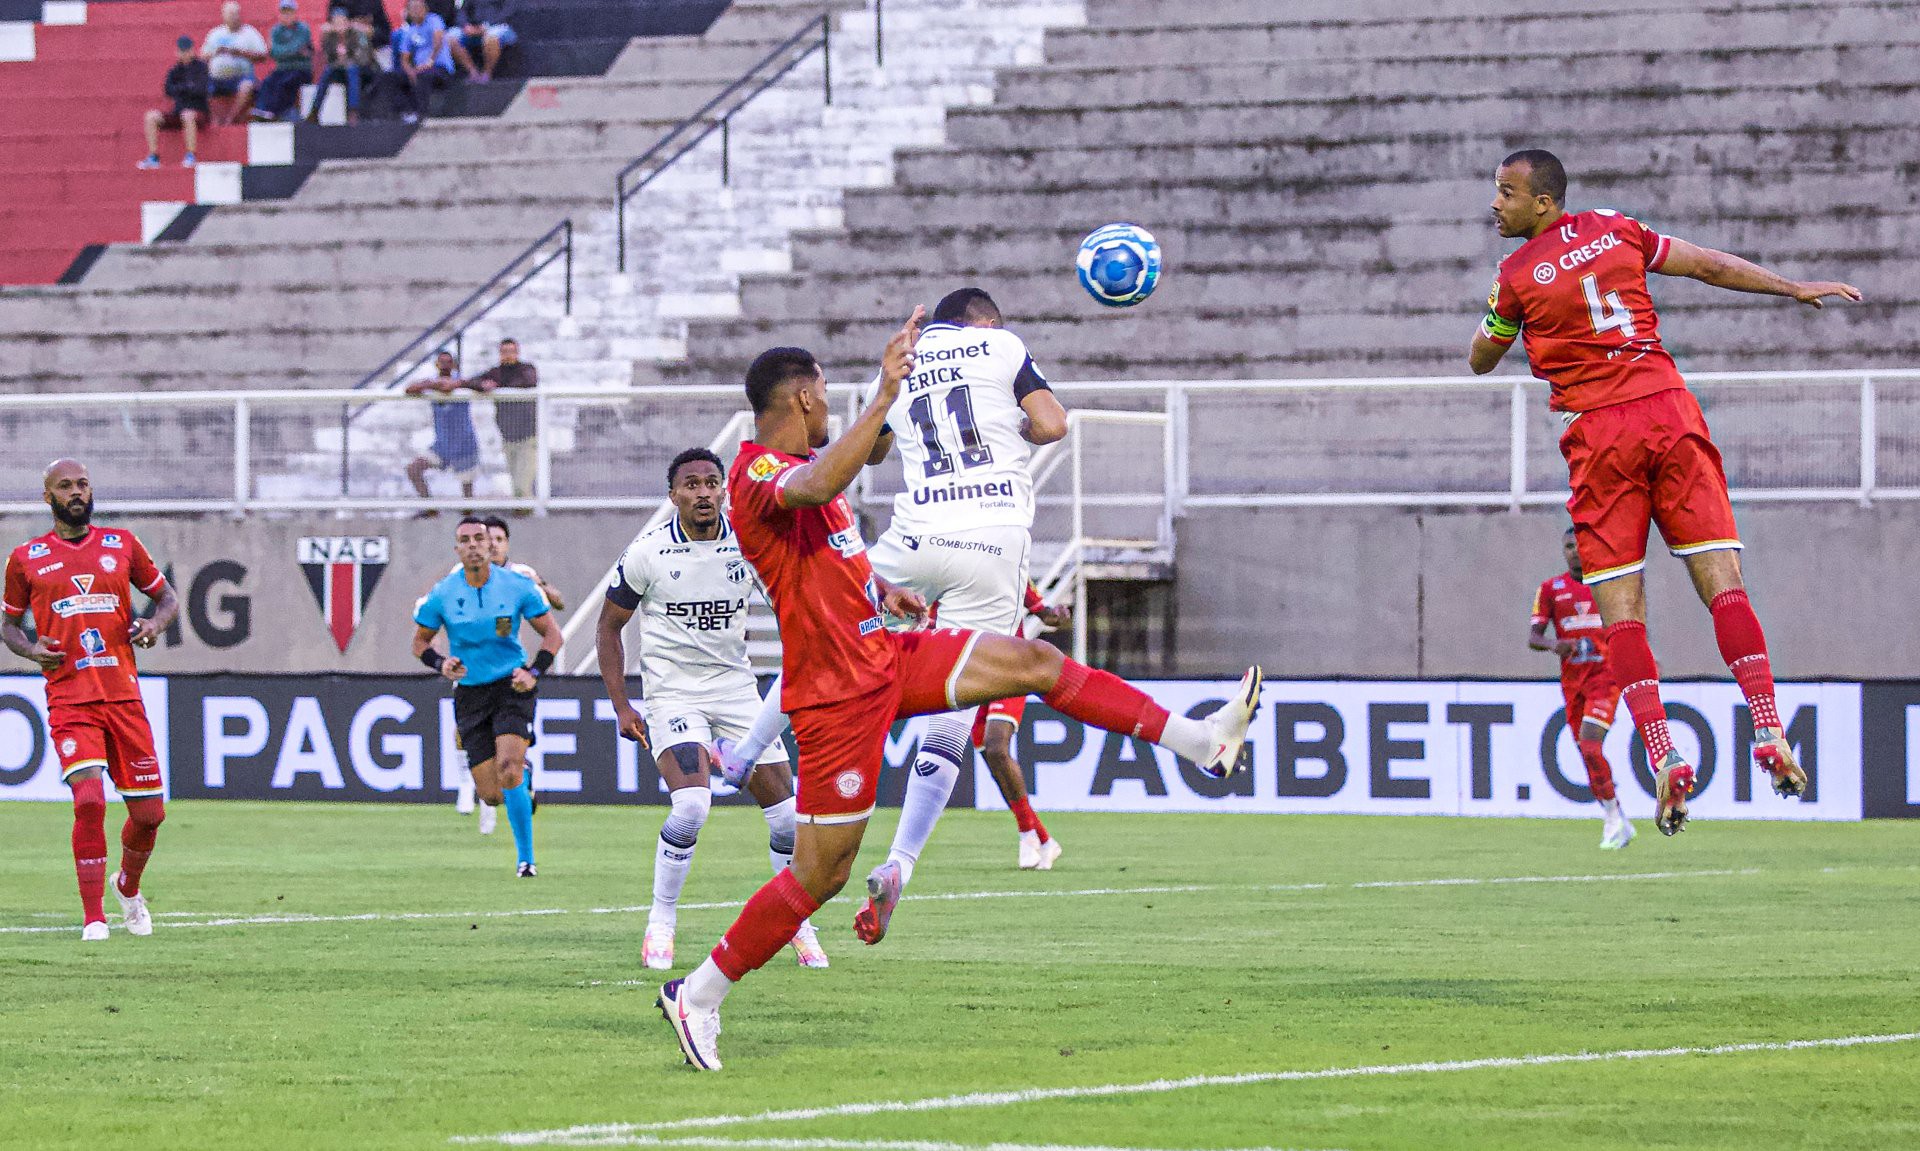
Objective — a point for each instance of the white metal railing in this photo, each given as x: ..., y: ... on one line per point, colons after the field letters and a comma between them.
x: 1455, y: 441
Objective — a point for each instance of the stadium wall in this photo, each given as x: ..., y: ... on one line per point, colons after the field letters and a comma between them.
x: 1308, y: 592
x: 1425, y: 747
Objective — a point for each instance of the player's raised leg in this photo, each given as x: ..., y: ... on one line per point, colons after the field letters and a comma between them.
x: 772, y: 788
x: 936, y: 769
x: 1623, y: 604
x: 1716, y: 576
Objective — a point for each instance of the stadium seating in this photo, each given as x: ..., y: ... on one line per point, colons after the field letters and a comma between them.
x: 1319, y: 173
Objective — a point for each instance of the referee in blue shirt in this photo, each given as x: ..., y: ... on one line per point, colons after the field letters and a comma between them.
x: 481, y: 606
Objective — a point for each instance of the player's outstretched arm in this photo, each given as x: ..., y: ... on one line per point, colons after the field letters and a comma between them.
x: 1484, y: 355
x: 610, y: 650
x: 1725, y: 270
x: 815, y: 484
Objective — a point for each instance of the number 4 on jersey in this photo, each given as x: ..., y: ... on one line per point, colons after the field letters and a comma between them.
x: 1606, y: 311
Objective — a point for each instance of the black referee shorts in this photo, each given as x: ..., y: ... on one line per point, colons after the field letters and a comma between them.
x: 489, y: 709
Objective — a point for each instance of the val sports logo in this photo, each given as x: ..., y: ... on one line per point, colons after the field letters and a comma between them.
x: 342, y: 572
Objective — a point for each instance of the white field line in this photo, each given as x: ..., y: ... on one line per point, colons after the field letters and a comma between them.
x: 610, y: 1134
x: 851, y: 1145
x: 1084, y: 892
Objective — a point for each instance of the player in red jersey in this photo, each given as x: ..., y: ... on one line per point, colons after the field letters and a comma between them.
x: 1566, y: 605
x: 1636, y: 445
x: 847, y: 678
x: 994, y: 726
x: 78, y: 580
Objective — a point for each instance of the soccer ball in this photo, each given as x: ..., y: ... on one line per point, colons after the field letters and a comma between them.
x: 1119, y: 264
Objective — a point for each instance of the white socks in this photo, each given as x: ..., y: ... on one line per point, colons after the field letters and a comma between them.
x: 1190, y: 739
x: 706, y: 986
x: 935, y: 771
x: 780, y: 828
x: 673, y: 855
x: 768, y: 725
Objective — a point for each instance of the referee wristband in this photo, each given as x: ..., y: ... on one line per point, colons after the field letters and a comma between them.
x: 542, y: 660
x: 432, y: 659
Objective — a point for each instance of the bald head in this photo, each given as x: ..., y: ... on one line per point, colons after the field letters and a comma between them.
x: 69, y: 492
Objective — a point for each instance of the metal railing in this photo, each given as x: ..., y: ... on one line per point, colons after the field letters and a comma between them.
x: 716, y: 115
x: 1455, y: 441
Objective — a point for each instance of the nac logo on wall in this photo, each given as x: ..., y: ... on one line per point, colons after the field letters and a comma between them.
x: 342, y: 572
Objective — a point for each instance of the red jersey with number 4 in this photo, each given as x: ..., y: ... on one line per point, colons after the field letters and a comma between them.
x: 814, y: 567
x: 81, y: 594
x: 1567, y: 604
x: 1578, y: 295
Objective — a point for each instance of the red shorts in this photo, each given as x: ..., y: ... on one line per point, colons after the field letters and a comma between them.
x: 1645, y: 461
x: 842, y: 744
x: 1010, y: 710
x: 112, y: 735
x: 1589, y: 697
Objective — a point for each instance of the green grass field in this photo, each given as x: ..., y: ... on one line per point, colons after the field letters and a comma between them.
x: 1199, y: 946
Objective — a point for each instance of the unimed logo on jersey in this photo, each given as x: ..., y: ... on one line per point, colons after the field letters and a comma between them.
x: 342, y: 572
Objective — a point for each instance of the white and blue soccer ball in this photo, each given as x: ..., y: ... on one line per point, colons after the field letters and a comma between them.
x: 1119, y: 264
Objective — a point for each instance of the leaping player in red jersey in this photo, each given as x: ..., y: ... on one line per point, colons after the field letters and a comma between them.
x: 847, y: 678
x: 1566, y: 605
x: 78, y: 579
x: 1636, y: 445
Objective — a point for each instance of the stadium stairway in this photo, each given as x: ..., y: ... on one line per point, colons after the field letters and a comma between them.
x: 1319, y: 173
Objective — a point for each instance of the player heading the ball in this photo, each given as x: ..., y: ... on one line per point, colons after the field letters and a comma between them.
x: 1637, y: 447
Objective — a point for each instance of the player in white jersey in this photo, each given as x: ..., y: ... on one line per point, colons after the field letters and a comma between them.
x: 499, y: 539
x: 690, y: 585
x: 966, y: 421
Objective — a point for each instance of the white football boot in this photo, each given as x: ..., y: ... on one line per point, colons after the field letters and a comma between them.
x: 698, y: 1031
x: 806, y: 947
x: 489, y: 818
x: 1035, y: 854
x: 656, y: 950
x: 1617, y: 833
x: 1229, y: 726
x: 93, y: 932
x: 133, y: 909
x: 463, y: 798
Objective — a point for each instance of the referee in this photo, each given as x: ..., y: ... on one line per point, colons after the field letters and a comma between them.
x: 481, y: 605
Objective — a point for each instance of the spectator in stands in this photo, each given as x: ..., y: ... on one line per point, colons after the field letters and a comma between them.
x: 484, y: 31
x: 291, y: 46
x: 422, y: 57
x: 186, y: 86
x: 231, y: 49
x: 346, y: 54
x: 371, y: 17
x: 455, y: 449
x: 519, y: 429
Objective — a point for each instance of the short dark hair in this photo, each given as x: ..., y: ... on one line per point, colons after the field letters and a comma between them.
x: 469, y: 518
x: 447, y: 352
x: 693, y: 455
x: 774, y: 367
x: 1545, y: 174
x: 963, y: 305
x: 509, y: 340
x: 497, y: 522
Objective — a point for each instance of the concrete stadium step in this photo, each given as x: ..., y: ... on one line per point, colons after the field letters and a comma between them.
x: 1725, y: 27
x: 318, y: 302
x: 267, y: 264
x: 1675, y: 109
x: 244, y: 346
x: 1134, y: 13
x: 1070, y: 85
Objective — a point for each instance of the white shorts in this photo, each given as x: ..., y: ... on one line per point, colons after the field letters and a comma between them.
x: 672, y: 721
x: 977, y: 576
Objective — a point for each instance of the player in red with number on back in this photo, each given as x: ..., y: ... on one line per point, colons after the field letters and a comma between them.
x: 1636, y: 445
x: 1566, y: 605
x: 846, y: 678
x: 78, y: 580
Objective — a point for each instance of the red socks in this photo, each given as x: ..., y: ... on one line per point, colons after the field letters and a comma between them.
x: 90, y: 846
x: 766, y: 924
x: 144, y: 817
x: 1106, y: 701
x: 1744, y: 646
x: 1630, y: 660
x: 1025, y: 819
x: 1599, y: 773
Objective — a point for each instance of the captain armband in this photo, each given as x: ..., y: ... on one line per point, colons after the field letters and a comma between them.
x: 1498, y: 328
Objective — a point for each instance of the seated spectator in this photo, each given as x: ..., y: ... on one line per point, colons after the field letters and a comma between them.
x: 371, y: 17
x: 231, y: 50
x: 517, y: 418
x: 484, y: 31
x: 455, y: 450
x: 422, y: 57
x: 346, y: 54
x: 291, y: 46
x: 186, y: 86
